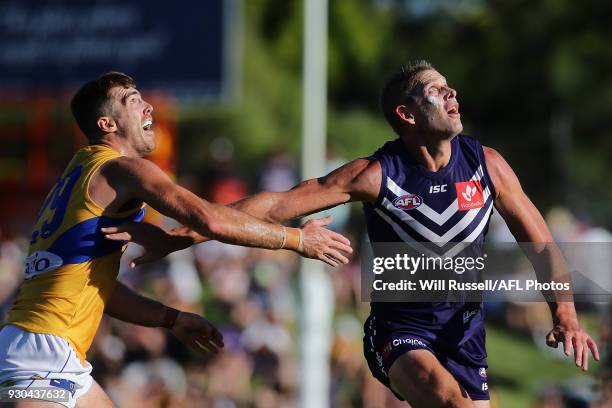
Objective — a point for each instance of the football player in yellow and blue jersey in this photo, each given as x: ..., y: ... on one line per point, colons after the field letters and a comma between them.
x: 71, y: 270
x: 431, y: 354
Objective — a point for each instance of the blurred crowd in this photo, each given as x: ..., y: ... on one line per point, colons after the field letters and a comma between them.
x: 251, y: 295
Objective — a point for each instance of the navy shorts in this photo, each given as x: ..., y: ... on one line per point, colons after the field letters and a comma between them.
x: 383, y: 344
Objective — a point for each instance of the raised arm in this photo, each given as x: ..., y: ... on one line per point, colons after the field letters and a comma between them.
x: 528, y: 226
x: 137, y: 180
x: 358, y: 180
x: 193, y: 330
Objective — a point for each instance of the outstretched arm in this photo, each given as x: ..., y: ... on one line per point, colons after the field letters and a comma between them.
x: 193, y: 330
x: 528, y: 226
x: 358, y: 180
x: 136, y: 180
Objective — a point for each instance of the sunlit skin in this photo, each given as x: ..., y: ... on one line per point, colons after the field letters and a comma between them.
x: 437, y: 109
x: 123, y: 126
x: 431, y: 120
x: 125, y: 181
x: 429, y: 123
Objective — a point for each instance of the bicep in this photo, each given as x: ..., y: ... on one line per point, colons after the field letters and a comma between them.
x: 143, y: 181
x: 358, y: 180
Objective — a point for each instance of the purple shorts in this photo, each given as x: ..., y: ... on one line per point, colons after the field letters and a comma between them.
x: 382, y: 345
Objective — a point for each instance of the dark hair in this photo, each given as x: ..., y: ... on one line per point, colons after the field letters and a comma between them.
x: 398, y: 89
x: 92, y: 100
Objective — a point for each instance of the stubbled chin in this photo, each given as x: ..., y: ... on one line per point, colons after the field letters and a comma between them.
x: 148, y: 145
x: 149, y: 148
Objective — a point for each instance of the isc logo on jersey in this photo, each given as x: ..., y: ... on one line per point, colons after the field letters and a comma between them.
x: 408, y: 202
x: 469, y: 195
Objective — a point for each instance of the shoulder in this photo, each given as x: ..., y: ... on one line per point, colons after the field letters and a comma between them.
x: 128, y: 165
x: 359, y: 178
x: 353, y: 171
x: 495, y: 162
x: 366, y: 180
x: 502, y: 175
x: 128, y: 170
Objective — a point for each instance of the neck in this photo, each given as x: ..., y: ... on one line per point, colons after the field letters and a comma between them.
x: 117, y: 144
x: 433, y: 155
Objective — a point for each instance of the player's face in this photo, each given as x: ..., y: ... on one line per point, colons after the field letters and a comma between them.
x: 134, y: 119
x: 438, y: 109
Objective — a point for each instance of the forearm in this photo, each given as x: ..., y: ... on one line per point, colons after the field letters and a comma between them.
x: 276, y: 207
x: 356, y: 181
x: 219, y: 222
x: 231, y: 226
x: 266, y: 206
x: 262, y: 206
x: 131, y: 307
x: 550, y: 266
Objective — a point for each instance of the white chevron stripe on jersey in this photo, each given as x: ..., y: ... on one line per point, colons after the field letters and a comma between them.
x: 439, y: 240
x: 451, y: 251
x: 470, y: 238
x: 429, y: 212
x: 404, y: 235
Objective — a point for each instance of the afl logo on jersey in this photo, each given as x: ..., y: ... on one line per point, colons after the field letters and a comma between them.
x: 408, y: 202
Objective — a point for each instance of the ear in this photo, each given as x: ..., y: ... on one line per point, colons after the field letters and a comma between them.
x: 106, y: 124
x: 404, y: 114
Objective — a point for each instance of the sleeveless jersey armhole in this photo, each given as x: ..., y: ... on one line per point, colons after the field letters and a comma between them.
x: 96, y: 208
x: 485, y: 170
x: 90, y: 203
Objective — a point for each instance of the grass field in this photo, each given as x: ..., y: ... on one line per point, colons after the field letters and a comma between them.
x: 518, y: 369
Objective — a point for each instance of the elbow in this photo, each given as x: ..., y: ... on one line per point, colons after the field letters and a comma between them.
x: 274, y: 216
x: 214, y: 228
x: 204, y: 221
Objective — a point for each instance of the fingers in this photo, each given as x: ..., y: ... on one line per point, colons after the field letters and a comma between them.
x: 340, y: 238
x: 210, y: 344
x: 567, y: 344
x: 146, y: 258
x: 342, y: 245
x: 109, y: 230
x: 321, y: 222
x: 340, y: 248
x: 578, y: 348
x: 593, y: 347
x: 337, y: 256
x: 118, y: 233
x: 216, y: 337
x: 202, y: 346
x: 551, y: 340
x: 582, y: 343
x: 118, y: 236
x: 328, y: 260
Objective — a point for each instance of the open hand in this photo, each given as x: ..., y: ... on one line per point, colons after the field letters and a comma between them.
x: 197, y: 333
x: 323, y: 244
x: 156, y: 242
x: 572, y: 335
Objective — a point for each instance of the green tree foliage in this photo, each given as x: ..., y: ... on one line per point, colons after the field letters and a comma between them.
x: 533, y: 81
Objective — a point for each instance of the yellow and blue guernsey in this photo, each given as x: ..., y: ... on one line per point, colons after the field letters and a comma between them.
x: 71, y: 269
